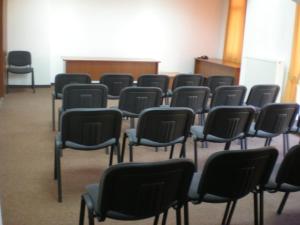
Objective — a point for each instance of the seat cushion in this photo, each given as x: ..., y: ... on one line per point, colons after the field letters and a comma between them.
x: 194, y: 196
x: 197, y: 132
x: 20, y: 70
x: 133, y: 140
x: 259, y: 133
x: 273, y: 186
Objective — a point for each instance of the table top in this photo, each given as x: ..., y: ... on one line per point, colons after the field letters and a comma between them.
x: 79, y: 58
x: 220, y: 62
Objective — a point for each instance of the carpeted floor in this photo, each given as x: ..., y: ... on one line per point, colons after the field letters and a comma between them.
x: 28, y: 191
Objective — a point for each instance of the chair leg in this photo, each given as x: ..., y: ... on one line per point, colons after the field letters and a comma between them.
x: 186, y: 213
x: 58, y: 168
x: 82, y: 211
x: 156, y: 219
x: 164, y: 219
x: 246, y: 143
x: 228, y: 205
x: 55, y: 158
x: 178, y: 217
x: 268, y: 141
x: 59, y: 120
x: 171, y: 152
x: 111, y: 155
x: 255, y: 204
x: 195, y: 155
x: 242, y: 144
x: 91, y: 217
x: 182, y: 151
x: 282, y: 204
x: 261, y: 207
x: 132, y: 125
x: 227, y: 145
x: 32, y: 82
x: 285, y: 143
x: 130, y: 153
x: 231, y: 213
x: 118, y: 153
x: 53, y: 113
x: 123, y: 147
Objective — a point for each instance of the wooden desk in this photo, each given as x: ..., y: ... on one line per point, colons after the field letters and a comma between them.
x: 97, y: 66
x: 209, y: 67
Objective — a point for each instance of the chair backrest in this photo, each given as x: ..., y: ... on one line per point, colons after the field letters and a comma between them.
x: 228, y: 122
x: 143, y: 190
x: 84, y: 96
x: 154, y: 80
x: 19, y: 58
x: 233, y: 174
x: 288, y: 172
x: 261, y: 95
x: 90, y: 127
x: 215, y: 81
x: 276, y: 118
x: 187, y: 80
x: 63, y: 79
x: 136, y: 99
x: 116, y: 82
x: 192, y: 97
x: 164, y: 125
x: 228, y: 95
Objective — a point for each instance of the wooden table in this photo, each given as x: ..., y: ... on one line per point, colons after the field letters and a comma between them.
x: 97, y: 66
x: 209, y: 67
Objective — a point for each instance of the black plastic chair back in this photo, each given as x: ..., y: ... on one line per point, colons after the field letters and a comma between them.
x: 288, y: 172
x: 19, y: 58
x: 63, y: 79
x: 228, y: 95
x: 276, y: 118
x: 115, y: 83
x: 84, y: 96
x: 187, y: 80
x: 215, y: 81
x: 136, y: 99
x: 164, y: 125
x: 261, y: 95
x: 154, y: 80
x: 233, y: 174
x: 192, y: 97
x: 228, y: 122
x: 90, y: 127
x: 143, y: 190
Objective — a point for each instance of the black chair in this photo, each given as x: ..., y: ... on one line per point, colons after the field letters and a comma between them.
x: 192, y: 97
x: 61, y: 80
x: 223, y: 125
x: 154, y: 80
x: 185, y: 80
x: 160, y: 127
x: 136, y: 191
x: 215, y: 81
x: 231, y: 175
x: 261, y: 95
x: 19, y: 62
x: 285, y: 177
x: 133, y: 100
x: 294, y: 129
x: 87, y: 130
x: 83, y: 96
x: 115, y: 82
x: 273, y: 120
x: 228, y: 95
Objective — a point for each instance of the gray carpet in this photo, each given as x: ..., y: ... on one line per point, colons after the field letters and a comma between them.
x: 28, y: 191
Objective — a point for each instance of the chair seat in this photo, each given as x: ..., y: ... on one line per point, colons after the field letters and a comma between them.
x: 272, y: 185
x: 129, y: 114
x: 259, y: 133
x: 133, y: 140
x: 76, y: 146
x: 20, y: 70
x: 197, y: 132
x: 92, y: 192
x: 210, y: 198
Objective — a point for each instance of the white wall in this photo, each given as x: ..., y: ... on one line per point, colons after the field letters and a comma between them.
x: 172, y: 31
x: 268, y: 34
